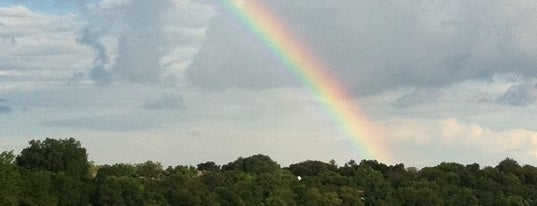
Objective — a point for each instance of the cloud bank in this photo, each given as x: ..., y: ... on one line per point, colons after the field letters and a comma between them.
x: 454, y: 140
x: 377, y: 46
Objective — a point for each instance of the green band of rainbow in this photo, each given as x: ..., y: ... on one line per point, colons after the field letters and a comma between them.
x: 310, y: 71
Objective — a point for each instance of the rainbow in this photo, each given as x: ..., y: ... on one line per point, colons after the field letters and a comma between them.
x: 311, y: 72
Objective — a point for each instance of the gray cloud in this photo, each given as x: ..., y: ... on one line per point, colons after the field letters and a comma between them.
x: 4, y: 108
x: 112, y: 123
x: 519, y: 95
x: 229, y: 58
x: 128, y: 41
x: 375, y: 46
x: 143, y: 33
x: 419, y: 96
x: 137, y: 26
x: 77, y: 77
x: 141, y: 44
x: 98, y: 72
x: 165, y: 102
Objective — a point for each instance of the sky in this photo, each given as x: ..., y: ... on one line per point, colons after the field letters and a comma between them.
x: 186, y: 81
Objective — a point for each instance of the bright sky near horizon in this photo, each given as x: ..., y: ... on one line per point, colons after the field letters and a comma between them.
x: 186, y: 81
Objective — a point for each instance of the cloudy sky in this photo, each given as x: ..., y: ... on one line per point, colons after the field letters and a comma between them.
x: 183, y: 81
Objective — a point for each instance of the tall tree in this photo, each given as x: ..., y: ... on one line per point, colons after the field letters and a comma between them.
x: 55, y: 155
x: 68, y: 166
x: 10, y: 180
x: 256, y: 164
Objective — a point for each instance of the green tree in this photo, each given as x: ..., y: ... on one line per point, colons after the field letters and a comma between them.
x: 377, y: 191
x: 67, y: 163
x: 38, y: 189
x: 375, y: 165
x: 317, y: 198
x: 508, y: 165
x: 276, y: 187
x: 119, y: 191
x: 10, y: 180
x: 208, y: 166
x: 227, y: 197
x: 311, y: 168
x: 428, y: 197
x: 255, y: 164
x: 182, y: 186
x: 118, y: 170
x: 462, y: 197
x: 351, y: 196
x: 149, y: 169
x: 55, y: 155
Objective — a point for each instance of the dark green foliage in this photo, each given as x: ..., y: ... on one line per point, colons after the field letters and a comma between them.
x: 121, y: 190
x: 508, y: 165
x: 117, y: 170
x: 61, y: 170
x: 10, y: 180
x: 38, y: 189
x: 311, y: 168
x: 255, y: 164
x: 208, y: 166
x: 63, y: 155
x: 149, y: 169
x: 57, y: 172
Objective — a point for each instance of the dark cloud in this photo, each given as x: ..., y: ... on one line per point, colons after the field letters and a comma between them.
x: 4, y: 108
x: 519, y: 95
x: 98, y: 72
x: 373, y: 46
x: 165, y: 102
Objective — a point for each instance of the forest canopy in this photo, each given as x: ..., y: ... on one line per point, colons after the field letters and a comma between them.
x: 57, y: 172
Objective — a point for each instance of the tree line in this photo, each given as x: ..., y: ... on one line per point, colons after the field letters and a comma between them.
x: 57, y: 172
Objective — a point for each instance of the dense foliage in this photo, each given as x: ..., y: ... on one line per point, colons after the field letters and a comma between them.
x: 57, y: 172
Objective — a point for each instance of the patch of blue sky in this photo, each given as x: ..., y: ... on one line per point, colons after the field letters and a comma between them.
x: 41, y: 6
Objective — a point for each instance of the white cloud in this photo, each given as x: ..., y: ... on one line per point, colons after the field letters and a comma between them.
x: 435, y: 140
x: 42, y: 47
